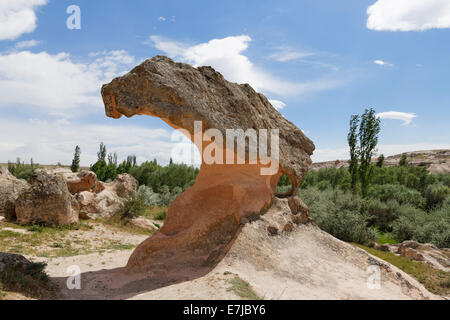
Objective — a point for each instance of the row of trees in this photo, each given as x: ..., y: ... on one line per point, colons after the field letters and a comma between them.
x: 161, y: 179
x: 21, y: 170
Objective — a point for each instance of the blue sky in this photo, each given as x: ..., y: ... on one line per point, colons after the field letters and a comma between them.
x: 318, y: 61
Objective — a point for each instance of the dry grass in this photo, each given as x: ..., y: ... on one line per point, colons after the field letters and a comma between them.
x: 53, y: 242
x: 242, y: 288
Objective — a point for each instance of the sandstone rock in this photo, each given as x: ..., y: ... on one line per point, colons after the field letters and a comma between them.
x: 297, y: 206
x: 384, y: 247
x: 410, y: 253
x: 202, y: 222
x: 47, y: 200
x: 107, y: 198
x: 428, y: 253
x: 10, y: 188
x: 410, y: 244
x: 76, y: 181
x: 124, y: 185
x: 102, y: 205
x: 302, y: 218
x: 144, y: 223
x: 99, y: 187
x: 273, y: 231
x: 288, y: 227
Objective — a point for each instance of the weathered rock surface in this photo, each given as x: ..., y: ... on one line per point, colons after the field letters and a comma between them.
x: 47, y: 200
x: 10, y: 188
x: 107, y: 198
x: 203, y: 221
x: 436, y: 161
x: 76, y: 181
x: 144, y: 223
x: 426, y: 253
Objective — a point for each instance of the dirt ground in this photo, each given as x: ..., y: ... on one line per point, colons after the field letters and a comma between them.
x: 305, y: 263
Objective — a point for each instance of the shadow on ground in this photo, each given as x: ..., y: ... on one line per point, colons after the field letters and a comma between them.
x: 117, y: 284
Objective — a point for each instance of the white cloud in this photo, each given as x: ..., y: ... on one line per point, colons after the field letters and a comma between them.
x: 54, y: 83
x: 53, y: 141
x: 161, y: 18
x: 27, y: 44
x: 277, y: 104
x: 226, y: 56
x: 408, y: 15
x: 383, y: 63
x: 18, y: 17
x: 285, y: 54
x: 407, y: 118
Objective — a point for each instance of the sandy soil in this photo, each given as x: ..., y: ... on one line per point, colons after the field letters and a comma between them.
x: 306, y: 263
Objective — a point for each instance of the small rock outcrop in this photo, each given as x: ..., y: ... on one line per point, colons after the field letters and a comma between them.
x: 144, y: 223
x: 10, y: 188
x: 203, y: 221
x: 76, y: 181
x: 426, y: 253
x: 47, y: 200
x: 107, y: 198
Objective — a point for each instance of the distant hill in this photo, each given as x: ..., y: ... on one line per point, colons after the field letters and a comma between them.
x: 436, y: 161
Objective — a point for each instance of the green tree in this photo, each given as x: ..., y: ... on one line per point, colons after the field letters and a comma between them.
x: 380, y: 161
x: 403, y: 161
x: 368, y: 139
x: 352, y: 139
x: 101, y: 154
x: 76, y: 160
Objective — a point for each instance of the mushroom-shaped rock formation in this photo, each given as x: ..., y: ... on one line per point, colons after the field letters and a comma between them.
x: 203, y: 221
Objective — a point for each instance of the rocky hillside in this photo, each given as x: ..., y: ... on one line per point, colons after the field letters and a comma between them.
x: 436, y: 161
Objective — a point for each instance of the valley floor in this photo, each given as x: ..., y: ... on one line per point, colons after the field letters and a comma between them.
x: 304, y: 263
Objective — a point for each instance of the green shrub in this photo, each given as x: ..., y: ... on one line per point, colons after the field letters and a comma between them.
x: 435, y: 195
x: 382, y: 214
x: 339, y: 214
x: 161, y: 215
x: 399, y: 193
x: 21, y: 170
x: 30, y: 279
x: 150, y: 198
x: 134, y: 207
x: 406, y: 224
x: 425, y: 227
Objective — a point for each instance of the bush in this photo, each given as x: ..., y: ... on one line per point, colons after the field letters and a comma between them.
x: 435, y: 195
x: 161, y: 215
x: 20, y: 170
x: 150, y: 198
x: 382, y: 214
x: 425, y: 227
x: 399, y: 193
x: 134, y: 207
x: 29, y: 279
x: 339, y: 214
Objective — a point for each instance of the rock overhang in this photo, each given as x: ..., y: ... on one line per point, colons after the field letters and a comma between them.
x: 206, y: 218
